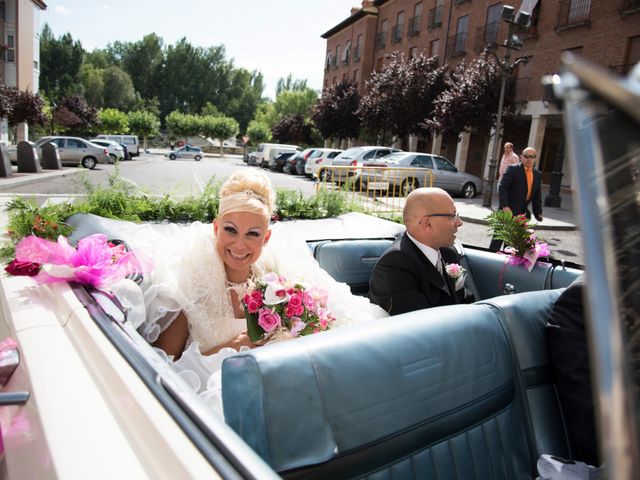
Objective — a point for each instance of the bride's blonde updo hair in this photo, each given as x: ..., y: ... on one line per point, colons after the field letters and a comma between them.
x: 247, y: 191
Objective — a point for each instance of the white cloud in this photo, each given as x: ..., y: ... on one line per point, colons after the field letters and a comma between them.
x: 106, y: 7
x: 62, y: 10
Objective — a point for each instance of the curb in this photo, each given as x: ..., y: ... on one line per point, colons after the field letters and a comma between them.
x: 6, y: 182
x: 566, y: 228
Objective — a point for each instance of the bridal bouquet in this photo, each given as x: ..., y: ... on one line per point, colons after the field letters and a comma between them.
x: 523, y: 246
x: 275, y: 306
x: 94, y: 261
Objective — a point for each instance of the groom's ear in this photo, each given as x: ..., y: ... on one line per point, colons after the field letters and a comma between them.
x: 267, y: 236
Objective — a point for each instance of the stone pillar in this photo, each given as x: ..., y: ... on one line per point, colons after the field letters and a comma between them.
x: 5, y: 163
x: 536, y: 133
x: 462, y: 150
x: 413, y: 143
x: 436, y: 145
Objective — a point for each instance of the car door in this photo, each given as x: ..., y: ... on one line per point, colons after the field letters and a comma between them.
x: 62, y: 149
x: 446, y: 175
x: 424, y: 176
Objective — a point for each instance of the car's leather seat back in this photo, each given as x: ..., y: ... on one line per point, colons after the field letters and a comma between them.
x: 412, y: 396
x: 523, y: 318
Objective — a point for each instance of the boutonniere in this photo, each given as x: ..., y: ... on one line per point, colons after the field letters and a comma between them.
x: 457, y: 273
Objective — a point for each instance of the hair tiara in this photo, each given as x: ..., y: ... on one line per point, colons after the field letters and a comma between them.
x: 247, y: 193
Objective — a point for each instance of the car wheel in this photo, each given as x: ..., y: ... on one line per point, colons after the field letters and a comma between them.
x: 469, y: 190
x: 89, y: 162
x: 172, y: 157
x: 197, y: 158
x: 407, y: 186
x: 113, y: 158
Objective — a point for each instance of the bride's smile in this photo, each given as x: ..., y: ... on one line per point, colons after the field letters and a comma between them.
x: 240, y: 237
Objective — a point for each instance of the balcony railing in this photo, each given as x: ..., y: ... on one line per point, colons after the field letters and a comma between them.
x: 457, y: 43
x: 396, y: 33
x: 621, y: 68
x: 435, y: 17
x: 414, y: 26
x: 573, y: 12
x: 630, y: 6
x: 381, y: 40
x: 486, y: 36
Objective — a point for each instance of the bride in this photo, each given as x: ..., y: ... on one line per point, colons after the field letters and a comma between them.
x: 193, y: 301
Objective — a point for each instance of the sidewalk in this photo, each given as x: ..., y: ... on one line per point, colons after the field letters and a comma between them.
x: 22, y: 178
x: 563, y: 218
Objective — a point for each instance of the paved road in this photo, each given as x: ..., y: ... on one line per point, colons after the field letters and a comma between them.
x: 156, y: 174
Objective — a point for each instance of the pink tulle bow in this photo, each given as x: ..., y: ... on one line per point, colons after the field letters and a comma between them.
x: 93, y: 262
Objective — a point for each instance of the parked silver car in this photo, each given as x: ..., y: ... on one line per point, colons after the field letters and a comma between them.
x: 357, y: 157
x: 76, y: 151
x: 116, y: 151
x: 188, y: 151
x: 406, y: 171
x: 321, y: 157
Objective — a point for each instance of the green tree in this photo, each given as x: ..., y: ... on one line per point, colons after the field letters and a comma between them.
x: 113, y: 121
x: 210, y: 110
x: 143, y: 61
x: 183, y: 125
x: 295, y: 102
x: 243, y: 96
x: 60, y: 62
x: 144, y: 124
x: 118, y: 89
x: 92, y: 79
x: 258, y: 132
x: 221, y: 128
x: 293, y: 129
x: 290, y: 84
x: 75, y: 116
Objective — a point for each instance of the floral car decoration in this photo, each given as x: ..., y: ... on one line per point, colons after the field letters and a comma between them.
x: 94, y: 261
x: 516, y: 231
x: 277, y: 308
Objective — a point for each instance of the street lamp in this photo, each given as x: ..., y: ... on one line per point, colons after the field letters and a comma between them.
x: 513, y: 42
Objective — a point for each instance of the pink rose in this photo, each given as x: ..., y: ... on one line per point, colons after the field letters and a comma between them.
x: 268, y: 320
x: 308, y: 301
x: 296, y: 300
x: 253, y: 306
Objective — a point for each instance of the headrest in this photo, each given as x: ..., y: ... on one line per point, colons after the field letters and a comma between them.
x: 306, y: 401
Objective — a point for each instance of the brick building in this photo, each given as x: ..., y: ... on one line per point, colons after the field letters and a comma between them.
x: 606, y: 32
x: 20, y: 51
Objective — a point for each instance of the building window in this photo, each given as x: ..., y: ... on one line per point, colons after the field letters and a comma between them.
x: 632, y: 56
x: 396, y: 36
x: 345, y: 76
x: 414, y: 22
x: 356, y: 76
x: 573, y: 12
x: 3, y: 10
x: 381, y: 36
x: 434, y: 47
x: 413, y: 52
x: 328, y: 61
x: 460, y: 38
x: 493, y: 22
x: 334, y: 60
x: 10, y: 49
x: 357, y: 54
x: 346, y: 53
x: 630, y: 6
x: 435, y: 15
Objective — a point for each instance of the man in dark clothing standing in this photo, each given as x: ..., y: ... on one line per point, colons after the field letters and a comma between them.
x: 520, y: 186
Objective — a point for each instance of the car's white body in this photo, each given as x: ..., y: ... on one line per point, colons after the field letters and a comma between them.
x: 114, y: 148
x: 321, y: 157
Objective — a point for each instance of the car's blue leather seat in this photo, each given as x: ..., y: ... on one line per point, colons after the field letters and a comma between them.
x: 448, y: 392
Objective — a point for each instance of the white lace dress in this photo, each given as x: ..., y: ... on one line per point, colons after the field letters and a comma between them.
x: 189, y: 276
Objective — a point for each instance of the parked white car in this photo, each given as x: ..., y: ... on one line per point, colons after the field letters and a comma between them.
x: 321, y: 157
x: 116, y: 152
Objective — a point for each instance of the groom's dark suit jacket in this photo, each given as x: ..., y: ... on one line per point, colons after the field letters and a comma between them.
x: 404, y: 279
x: 512, y: 191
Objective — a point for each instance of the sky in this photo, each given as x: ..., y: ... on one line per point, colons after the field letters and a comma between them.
x: 274, y: 37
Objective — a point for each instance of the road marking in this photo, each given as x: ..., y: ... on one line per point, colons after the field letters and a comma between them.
x: 197, y: 178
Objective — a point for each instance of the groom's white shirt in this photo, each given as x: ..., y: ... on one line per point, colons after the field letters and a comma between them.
x: 431, y: 253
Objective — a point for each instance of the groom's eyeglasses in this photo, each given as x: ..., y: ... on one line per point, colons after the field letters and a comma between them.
x: 455, y: 216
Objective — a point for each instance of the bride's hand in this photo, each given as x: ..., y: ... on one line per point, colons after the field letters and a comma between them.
x: 241, y: 340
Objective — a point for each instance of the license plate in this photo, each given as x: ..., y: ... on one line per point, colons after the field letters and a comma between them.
x: 378, y: 186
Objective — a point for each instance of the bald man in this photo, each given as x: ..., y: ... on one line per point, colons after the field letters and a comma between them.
x: 411, y: 274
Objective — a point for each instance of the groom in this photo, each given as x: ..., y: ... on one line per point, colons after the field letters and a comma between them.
x: 412, y: 273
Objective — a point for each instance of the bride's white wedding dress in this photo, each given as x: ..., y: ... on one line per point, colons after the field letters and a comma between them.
x: 189, y: 276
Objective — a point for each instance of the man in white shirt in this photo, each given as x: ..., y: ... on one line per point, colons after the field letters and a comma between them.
x: 412, y: 273
x: 509, y: 157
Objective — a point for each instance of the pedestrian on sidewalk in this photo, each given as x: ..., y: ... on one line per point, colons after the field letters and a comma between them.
x: 509, y: 157
x: 520, y: 186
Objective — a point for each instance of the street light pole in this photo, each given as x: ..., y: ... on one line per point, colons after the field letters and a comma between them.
x: 488, y: 192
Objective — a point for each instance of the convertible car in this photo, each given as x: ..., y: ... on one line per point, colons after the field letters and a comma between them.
x: 462, y: 391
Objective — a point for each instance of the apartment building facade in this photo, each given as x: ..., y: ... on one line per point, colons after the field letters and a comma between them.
x: 20, y: 51
x: 606, y: 32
